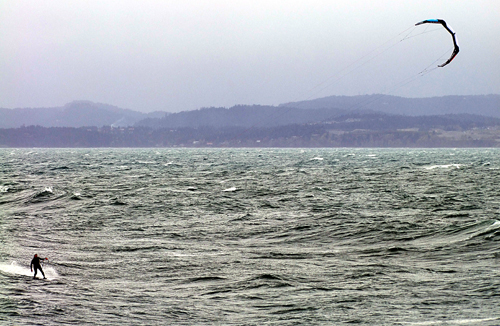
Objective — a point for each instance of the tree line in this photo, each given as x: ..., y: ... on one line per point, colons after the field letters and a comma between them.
x: 308, y: 135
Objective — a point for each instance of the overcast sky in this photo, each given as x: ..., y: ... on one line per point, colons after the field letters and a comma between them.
x: 187, y: 54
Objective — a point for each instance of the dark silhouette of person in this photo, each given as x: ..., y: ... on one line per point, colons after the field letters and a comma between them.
x: 35, y: 263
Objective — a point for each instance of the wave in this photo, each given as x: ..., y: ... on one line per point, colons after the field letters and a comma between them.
x: 488, y: 230
x: 76, y: 196
x: 48, y: 191
x: 472, y: 321
x: 60, y: 168
x: 443, y: 166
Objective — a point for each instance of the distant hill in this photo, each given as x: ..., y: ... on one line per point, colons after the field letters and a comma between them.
x: 74, y: 114
x: 87, y: 124
x: 383, y: 122
x: 486, y: 105
x: 350, y: 130
x: 242, y: 116
x: 85, y: 113
x: 328, y: 109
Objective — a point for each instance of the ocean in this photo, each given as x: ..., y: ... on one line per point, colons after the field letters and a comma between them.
x: 250, y: 236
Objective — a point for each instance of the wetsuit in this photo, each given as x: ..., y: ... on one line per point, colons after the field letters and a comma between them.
x: 35, y: 263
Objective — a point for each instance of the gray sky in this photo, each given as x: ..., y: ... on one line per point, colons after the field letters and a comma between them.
x: 178, y: 55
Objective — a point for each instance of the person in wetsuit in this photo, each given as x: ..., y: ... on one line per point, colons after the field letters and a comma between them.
x: 35, y: 263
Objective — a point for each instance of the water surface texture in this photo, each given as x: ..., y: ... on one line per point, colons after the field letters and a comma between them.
x: 250, y: 237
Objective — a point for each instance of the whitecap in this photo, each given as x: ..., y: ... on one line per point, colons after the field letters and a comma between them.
x: 478, y: 321
x: 496, y: 224
x: 493, y: 227
x: 444, y: 166
x: 76, y: 196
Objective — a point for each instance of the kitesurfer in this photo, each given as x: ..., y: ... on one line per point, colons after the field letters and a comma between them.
x: 35, y: 263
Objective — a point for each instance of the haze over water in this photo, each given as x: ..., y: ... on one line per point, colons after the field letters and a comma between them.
x: 250, y: 237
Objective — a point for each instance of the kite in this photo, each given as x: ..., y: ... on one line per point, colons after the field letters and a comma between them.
x: 442, y: 22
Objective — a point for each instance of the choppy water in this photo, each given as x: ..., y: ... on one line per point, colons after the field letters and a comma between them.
x: 250, y: 237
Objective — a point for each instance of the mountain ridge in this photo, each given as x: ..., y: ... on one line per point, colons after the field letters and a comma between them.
x: 73, y: 114
x: 86, y: 113
x: 487, y: 105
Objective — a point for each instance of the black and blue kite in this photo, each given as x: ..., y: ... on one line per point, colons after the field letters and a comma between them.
x: 442, y: 22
